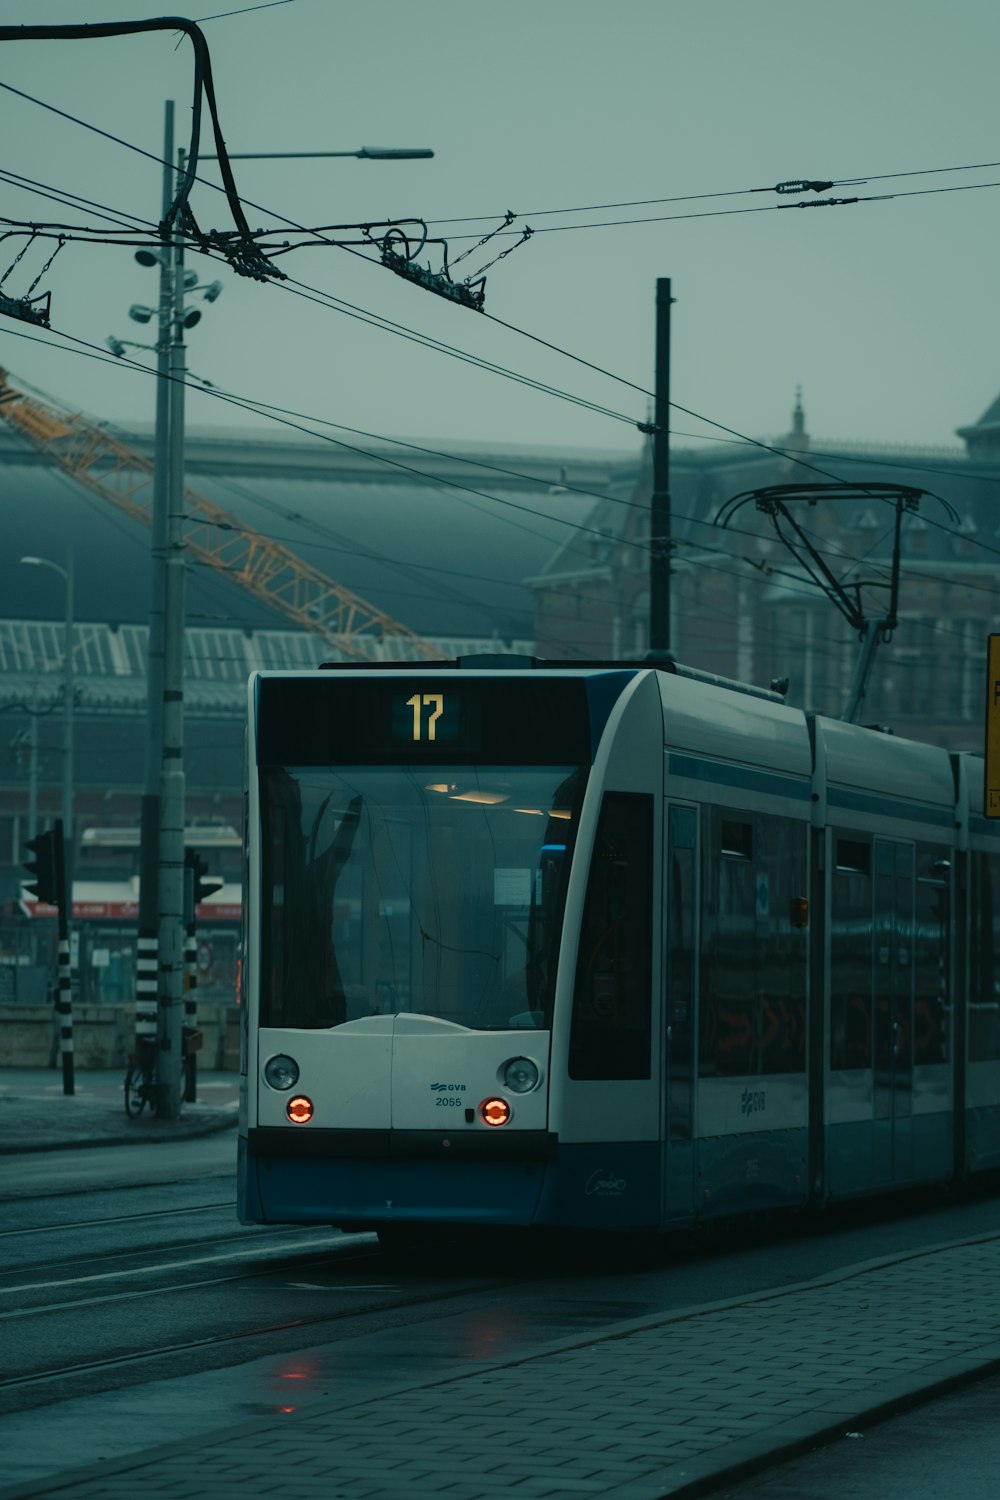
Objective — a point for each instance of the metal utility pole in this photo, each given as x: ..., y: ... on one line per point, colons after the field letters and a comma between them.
x: 170, y: 882
x: 147, y: 976
x: 659, y: 557
x: 67, y: 767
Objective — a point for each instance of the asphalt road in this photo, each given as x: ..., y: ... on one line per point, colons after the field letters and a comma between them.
x: 137, y: 1309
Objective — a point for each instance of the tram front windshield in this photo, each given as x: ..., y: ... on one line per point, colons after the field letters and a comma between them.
x: 435, y: 890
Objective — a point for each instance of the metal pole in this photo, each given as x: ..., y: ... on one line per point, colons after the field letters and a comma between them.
x: 67, y: 776
x: 146, y: 966
x: 33, y: 764
x: 64, y: 1001
x: 659, y: 559
x: 171, y: 851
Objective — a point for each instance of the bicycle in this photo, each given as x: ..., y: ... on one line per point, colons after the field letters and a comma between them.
x: 141, y: 1085
x: 140, y: 1080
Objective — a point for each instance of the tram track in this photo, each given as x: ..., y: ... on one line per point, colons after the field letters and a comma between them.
x: 258, y: 1249
x: 109, y: 1219
x: 408, y: 1306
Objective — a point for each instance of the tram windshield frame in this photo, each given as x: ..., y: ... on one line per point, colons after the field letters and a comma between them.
x: 435, y: 889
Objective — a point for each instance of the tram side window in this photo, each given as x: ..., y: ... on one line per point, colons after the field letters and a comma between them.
x: 753, y: 969
x: 728, y: 969
x: 851, y: 955
x: 984, y: 987
x: 610, y: 1032
x: 931, y: 958
x: 781, y: 945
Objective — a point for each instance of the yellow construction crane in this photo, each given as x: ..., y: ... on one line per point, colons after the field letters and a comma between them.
x: 267, y: 570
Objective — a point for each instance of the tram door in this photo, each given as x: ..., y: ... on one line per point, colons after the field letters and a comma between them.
x: 680, y: 959
x: 893, y: 955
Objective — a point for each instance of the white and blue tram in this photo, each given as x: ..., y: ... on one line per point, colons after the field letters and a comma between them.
x: 608, y: 947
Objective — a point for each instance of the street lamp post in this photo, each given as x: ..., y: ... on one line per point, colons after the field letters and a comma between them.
x: 366, y: 153
x: 160, y: 967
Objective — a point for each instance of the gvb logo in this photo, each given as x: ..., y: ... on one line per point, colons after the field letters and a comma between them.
x: 752, y: 1101
x: 448, y: 1088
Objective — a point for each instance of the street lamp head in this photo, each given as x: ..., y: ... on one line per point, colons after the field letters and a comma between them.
x: 149, y: 257
x: 140, y: 314
x: 191, y: 318
x: 45, y: 562
x: 212, y: 291
x: 190, y: 279
x: 115, y: 345
x: 385, y: 153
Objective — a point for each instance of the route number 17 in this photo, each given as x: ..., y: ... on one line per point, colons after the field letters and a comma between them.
x: 425, y: 723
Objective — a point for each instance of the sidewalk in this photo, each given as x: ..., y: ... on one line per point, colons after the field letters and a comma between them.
x: 665, y: 1406
x: 35, y: 1114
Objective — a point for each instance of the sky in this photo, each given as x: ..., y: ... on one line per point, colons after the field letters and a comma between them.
x: 883, y: 312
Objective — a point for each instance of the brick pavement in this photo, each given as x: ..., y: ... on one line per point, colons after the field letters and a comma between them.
x: 654, y: 1407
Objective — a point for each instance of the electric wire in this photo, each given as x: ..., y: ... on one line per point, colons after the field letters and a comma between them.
x: 70, y: 200
x: 243, y: 10
x: 588, y: 208
x: 339, y: 305
x: 763, y: 208
x: 795, y: 583
x: 88, y: 350
x: 305, y: 290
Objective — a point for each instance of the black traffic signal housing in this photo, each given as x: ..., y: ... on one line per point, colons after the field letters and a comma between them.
x: 203, y: 884
x: 46, y: 868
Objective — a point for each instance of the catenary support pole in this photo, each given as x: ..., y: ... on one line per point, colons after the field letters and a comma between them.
x: 68, y: 706
x: 659, y: 557
x: 146, y: 958
x: 170, y: 885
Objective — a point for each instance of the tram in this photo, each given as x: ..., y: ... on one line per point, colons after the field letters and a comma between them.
x: 606, y: 947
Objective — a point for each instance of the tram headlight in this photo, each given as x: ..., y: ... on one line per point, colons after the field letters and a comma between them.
x: 281, y: 1072
x: 520, y: 1075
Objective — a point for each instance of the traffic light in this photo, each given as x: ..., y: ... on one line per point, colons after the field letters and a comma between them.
x: 44, y: 868
x: 203, y: 884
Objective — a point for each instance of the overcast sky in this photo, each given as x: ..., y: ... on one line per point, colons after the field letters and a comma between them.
x: 884, y: 312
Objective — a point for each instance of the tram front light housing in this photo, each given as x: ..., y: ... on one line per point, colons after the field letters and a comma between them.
x: 299, y: 1109
x: 494, y: 1112
x: 281, y: 1072
x: 519, y: 1075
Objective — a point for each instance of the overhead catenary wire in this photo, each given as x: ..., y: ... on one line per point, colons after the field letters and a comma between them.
x: 284, y: 416
x: 587, y: 208
x: 304, y: 288
x: 352, y: 310
x: 763, y: 208
x: 795, y: 583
